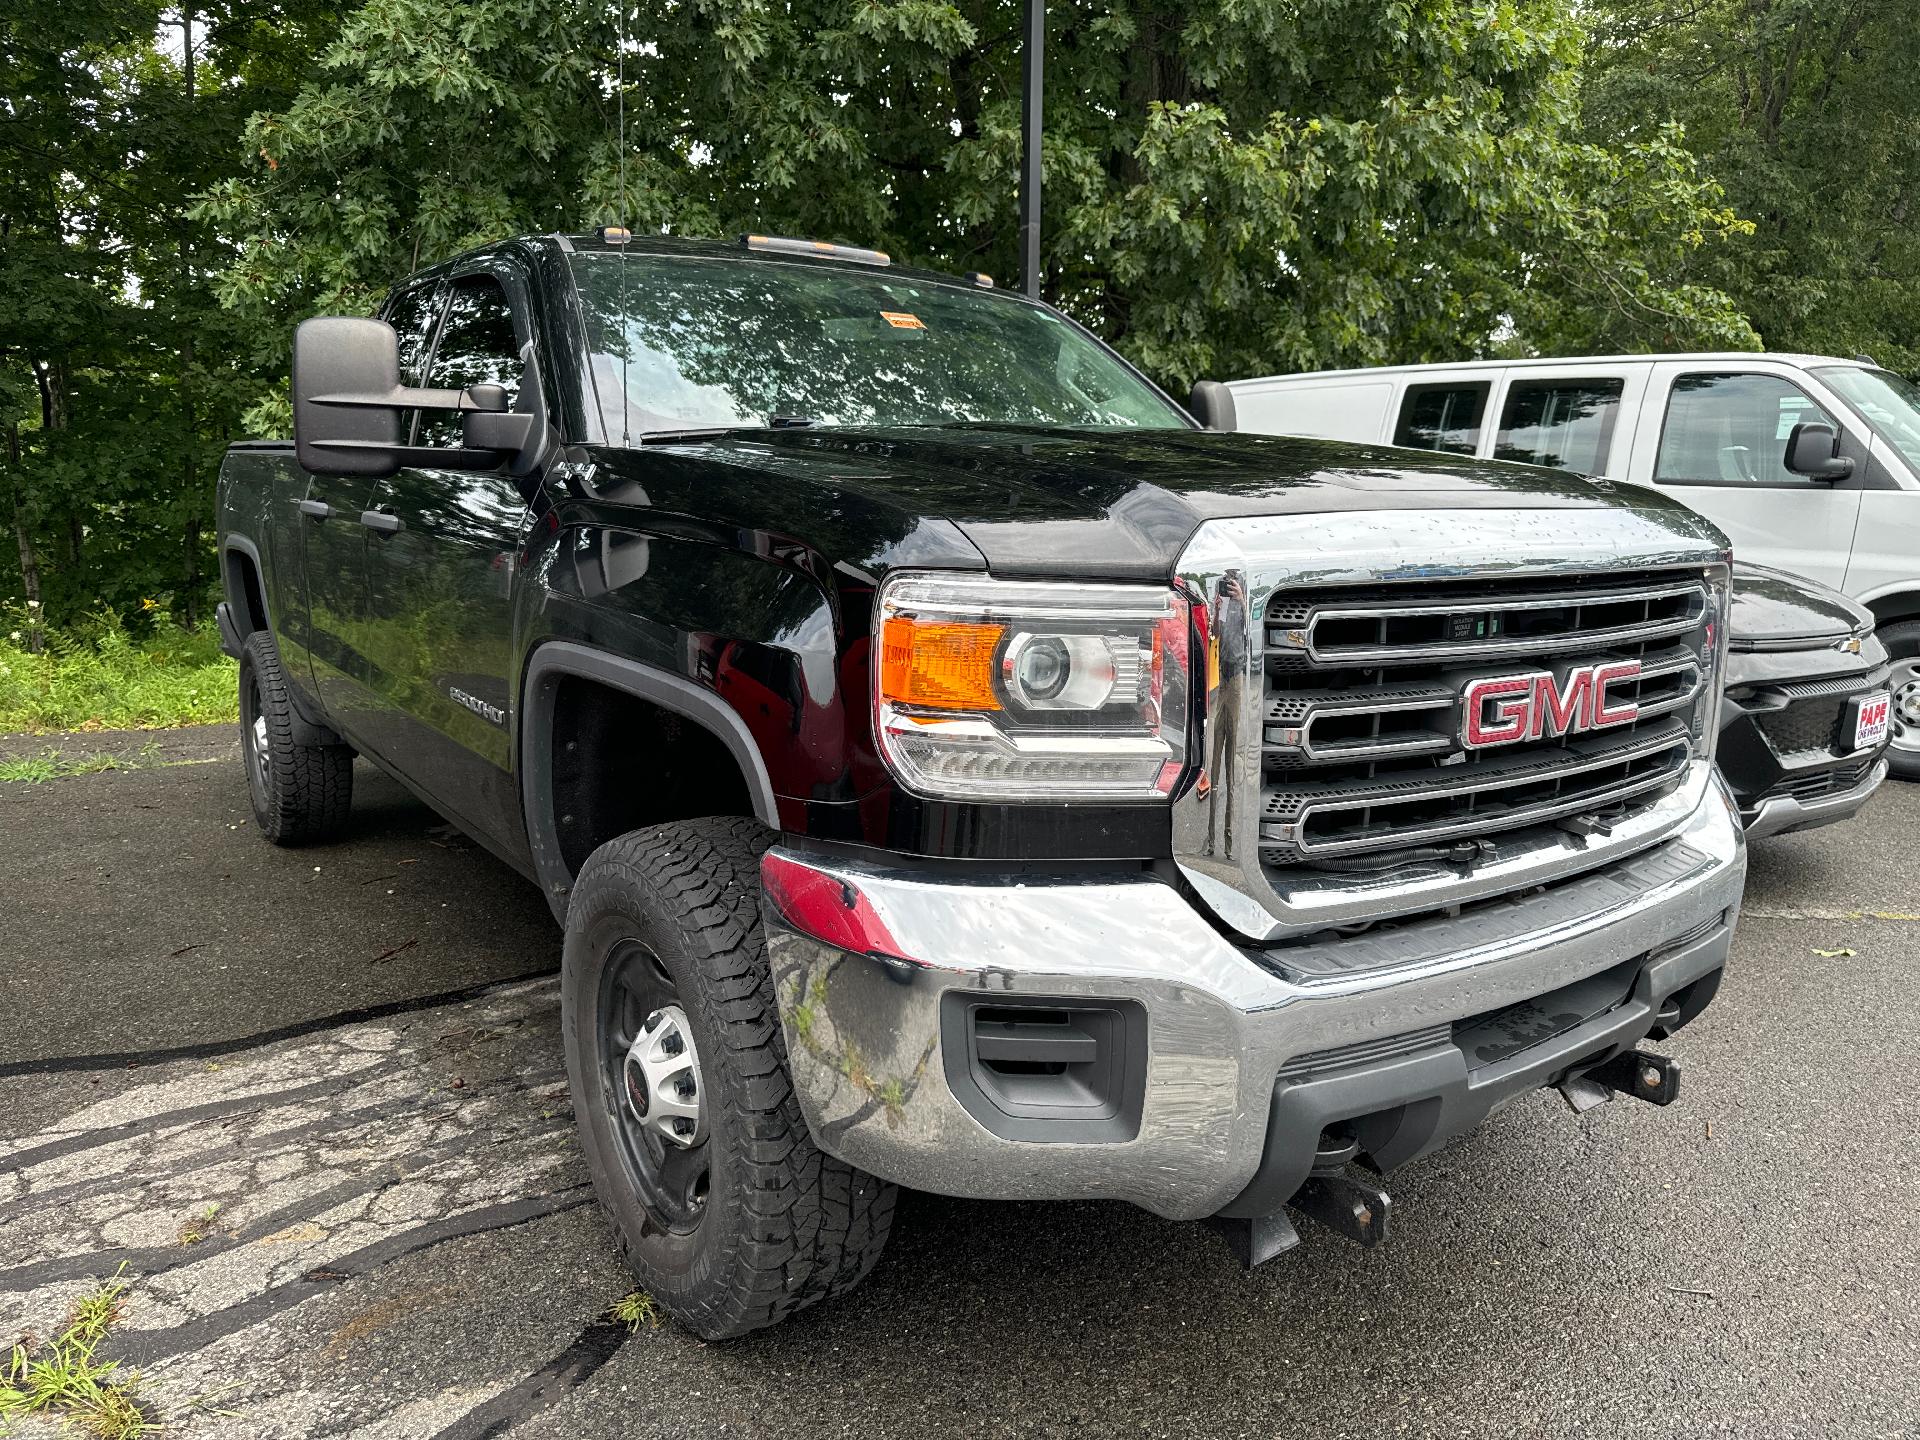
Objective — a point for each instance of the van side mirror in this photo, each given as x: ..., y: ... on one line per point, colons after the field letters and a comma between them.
x: 1212, y: 405
x: 1813, y: 450
x: 348, y: 400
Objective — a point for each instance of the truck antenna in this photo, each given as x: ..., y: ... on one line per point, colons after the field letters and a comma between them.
x: 1033, y: 74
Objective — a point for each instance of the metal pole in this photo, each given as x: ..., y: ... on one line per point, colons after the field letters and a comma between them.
x: 1033, y: 65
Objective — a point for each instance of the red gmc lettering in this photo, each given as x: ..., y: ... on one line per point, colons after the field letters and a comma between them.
x: 1511, y: 712
x: 1626, y: 711
x: 1561, y: 712
x: 1503, y: 709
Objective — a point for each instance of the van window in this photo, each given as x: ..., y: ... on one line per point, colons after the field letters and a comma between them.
x: 1732, y: 429
x: 1890, y: 403
x: 1442, y: 417
x: 1567, y: 424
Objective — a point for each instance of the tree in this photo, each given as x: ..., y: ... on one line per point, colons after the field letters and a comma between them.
x: 1804, y: 112
x: 1280, y: 184
x: 120, y: 375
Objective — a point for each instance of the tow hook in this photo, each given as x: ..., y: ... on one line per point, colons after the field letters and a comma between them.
x: 1346, y: 1202
x: 1639, y: 1073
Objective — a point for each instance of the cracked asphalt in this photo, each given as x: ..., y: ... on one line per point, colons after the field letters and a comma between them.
x: 319, y: 1116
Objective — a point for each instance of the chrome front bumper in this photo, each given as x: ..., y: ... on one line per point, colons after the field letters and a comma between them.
x: 862, y: 1009
x: 1778, y: 814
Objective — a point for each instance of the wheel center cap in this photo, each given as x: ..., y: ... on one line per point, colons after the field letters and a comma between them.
x: 637, y: 1096
x: 661, y: 1077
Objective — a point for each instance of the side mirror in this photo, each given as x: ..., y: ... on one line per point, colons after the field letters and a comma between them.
x: 348, y: 400
x: 336, y: 356
x: 1212, y: 405
x: 1813, y: 450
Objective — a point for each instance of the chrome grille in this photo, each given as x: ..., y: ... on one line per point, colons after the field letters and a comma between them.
x: 1361, y: 745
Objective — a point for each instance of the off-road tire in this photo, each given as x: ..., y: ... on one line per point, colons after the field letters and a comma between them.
x: 783, y: 1224
x: 1902, y: 639
x: 300, y: 793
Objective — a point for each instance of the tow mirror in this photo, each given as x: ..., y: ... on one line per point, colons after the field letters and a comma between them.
x: 1813, y: 450
x: 1212, y: 405
x: 348, y: 402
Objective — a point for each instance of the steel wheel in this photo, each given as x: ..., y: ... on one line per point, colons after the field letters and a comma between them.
x: 259, y: 745
x: 1905, y: 711
x: 653, y: 1087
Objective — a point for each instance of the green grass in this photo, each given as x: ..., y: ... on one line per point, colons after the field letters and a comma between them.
x: 61, y: 1379
x: 52, y: 764
x: 98, y: 676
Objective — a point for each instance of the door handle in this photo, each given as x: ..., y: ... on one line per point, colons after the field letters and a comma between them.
x: 381, y: 523
x: 318, y: 509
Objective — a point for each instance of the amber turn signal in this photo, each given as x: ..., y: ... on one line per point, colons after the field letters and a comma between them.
x: 940, y: 665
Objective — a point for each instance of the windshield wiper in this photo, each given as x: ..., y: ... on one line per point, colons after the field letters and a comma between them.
x: 713, y: 432
x: 697, y: 432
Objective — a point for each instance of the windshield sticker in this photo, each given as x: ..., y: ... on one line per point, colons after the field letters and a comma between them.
x: 901, y: 320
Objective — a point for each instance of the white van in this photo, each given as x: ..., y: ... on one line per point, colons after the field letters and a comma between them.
x: 1716, y: 430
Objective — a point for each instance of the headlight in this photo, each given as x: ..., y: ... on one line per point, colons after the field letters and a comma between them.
x: 1019, y: 690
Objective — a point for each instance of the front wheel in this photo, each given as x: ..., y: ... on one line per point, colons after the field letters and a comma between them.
x: 727, y: 1212
x: 1903, y: 645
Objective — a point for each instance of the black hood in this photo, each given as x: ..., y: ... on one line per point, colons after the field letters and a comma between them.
x: 1113, y: 504
x: 1774, y: 610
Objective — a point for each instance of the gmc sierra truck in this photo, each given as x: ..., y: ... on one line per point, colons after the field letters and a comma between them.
x: 954, y: 767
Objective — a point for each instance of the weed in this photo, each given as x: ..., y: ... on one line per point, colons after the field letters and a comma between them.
x: 634, y: 1309
x: 62, y: 1379
x: 198, y: 1227
x: 32, y: 769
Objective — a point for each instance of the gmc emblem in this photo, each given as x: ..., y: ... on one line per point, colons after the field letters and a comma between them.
x: 1504, y: 709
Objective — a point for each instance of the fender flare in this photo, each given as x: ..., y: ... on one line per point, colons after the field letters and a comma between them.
x: 553, y: 661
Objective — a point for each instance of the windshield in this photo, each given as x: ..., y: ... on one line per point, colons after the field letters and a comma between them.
x: 1891, y: 404
x: 714, y: 341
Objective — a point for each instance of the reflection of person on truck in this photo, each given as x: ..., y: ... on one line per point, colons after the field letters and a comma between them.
x: 1226, y: 684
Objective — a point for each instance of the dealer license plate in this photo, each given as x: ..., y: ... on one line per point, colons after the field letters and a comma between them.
x: 1871, y: 726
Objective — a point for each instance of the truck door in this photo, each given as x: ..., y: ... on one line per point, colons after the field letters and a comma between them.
x: 1721, y: 440
x: 443, y: 545
x: 335, y: 551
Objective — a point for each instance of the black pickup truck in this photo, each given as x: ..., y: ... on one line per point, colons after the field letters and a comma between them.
x: 954, y: 767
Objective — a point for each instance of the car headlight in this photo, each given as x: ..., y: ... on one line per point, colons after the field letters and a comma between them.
x: 1025, y: 690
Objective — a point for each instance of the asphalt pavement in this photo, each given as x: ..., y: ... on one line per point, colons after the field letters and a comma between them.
x: 313, y: 1102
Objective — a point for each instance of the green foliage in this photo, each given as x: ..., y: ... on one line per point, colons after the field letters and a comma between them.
x: 121, y: 377
x: 1804, y: 112
x: 1274, y: 185
x: 97, y: 675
